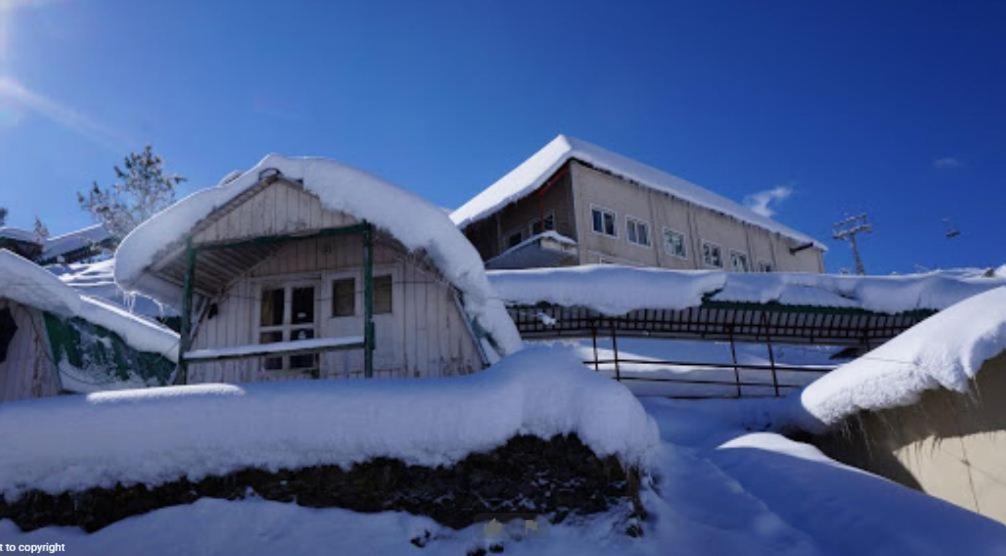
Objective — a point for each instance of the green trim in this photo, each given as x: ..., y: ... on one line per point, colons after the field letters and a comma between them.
x: 186, y: 328
x: 368, y: 300
x: 353, y: 229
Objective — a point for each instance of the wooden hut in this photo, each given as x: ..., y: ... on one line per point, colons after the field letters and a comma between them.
x: 54, y: 340
x: 306, y: 268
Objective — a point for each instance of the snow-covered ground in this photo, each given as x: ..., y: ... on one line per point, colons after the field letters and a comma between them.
x: 716, y: 488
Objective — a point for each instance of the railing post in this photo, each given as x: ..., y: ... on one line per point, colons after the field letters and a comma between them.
x: 185, y: 330
x: 771, y: 355
x: 368, y: 300
x: 593, y: 337
x: 733, y: 356
x: 614, y: 347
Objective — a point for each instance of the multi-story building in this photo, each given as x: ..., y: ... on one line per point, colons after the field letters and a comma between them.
x: 575, y: 203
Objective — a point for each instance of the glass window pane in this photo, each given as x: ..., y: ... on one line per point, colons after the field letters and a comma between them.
x: 344, y: 297
x: 609, y: 223
x: 643, y: 231
x: 550, y: 222
x: 630, y: 229
x: 598, y: 225
x: 272, y: 363
x: 382, y: 294
x: 272, y: 307
x: 302, y: 305
x: 307, y: 360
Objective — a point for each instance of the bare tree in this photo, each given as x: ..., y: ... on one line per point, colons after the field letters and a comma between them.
x: 142, y: 189
x: 3, y: 215
x: 41, y: 230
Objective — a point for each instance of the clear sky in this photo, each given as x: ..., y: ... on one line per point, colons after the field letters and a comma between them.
x: 895, y: 108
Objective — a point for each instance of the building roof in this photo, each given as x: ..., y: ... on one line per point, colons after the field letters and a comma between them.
x: 415, y: 223
x: 29, y: 284
x: 72, y: 241
x: 536, y: 170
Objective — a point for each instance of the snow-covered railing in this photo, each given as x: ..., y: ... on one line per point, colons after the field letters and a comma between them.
x: 295, y: 347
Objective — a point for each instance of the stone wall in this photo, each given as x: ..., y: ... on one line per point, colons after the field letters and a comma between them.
x: 526, y: 476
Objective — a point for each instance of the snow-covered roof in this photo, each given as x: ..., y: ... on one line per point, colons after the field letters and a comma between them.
x: 97, y: 279
x: 27, y: 283
x: 72, y: 241
x: 414, y: 222
x: 535, y: 171
x: 18, y: 234
x: 616, y: 290
x: 946, y: 350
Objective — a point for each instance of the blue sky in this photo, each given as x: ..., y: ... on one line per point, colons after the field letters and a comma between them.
x: 894, y: 108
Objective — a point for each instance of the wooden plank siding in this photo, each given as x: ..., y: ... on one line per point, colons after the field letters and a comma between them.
x: 425, y: 334
x: 28, y: 371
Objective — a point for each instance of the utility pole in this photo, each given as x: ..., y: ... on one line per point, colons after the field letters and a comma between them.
x: 847, y: 229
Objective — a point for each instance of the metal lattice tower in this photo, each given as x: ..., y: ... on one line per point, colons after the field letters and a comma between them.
x: 847, y: 229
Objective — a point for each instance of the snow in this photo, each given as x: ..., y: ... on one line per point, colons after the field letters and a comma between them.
x: 29, y: 284
x: 944, y: 351
x: 85, y: 237
x: 18, y: 234
x: 161, y: 434
x: 714, y: 488
x: 414, y: 222
x: 535, y: 171
x: 275, y: 347
x: 97, y: 279
x: 616, y: 290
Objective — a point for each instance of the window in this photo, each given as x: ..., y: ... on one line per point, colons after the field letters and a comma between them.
x: 514, y: 239
x: 765, y: 267
x: 711, y: 255
x: 674, y: 243
x: 287, y: 314
x: 534, y: 227
x: 603, y: 222
x: 738, y: 261
x: 382, y: 294
x: 637, y: 231
x: 344, y: 297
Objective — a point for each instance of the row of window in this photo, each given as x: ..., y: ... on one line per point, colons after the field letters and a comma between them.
x: 288, y: 313
x: 637, y: 232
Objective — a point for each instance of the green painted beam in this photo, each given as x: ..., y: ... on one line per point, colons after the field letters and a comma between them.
x: 353, y: 229
x: 368, y: 300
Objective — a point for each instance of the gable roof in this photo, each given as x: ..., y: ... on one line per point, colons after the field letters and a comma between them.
x: 72, y: 241
x: 415, y: 223
x: 29, y: 284
x: 535, y: 171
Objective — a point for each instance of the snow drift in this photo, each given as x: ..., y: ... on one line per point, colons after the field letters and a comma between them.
x: 943, y: 351
x: 411, y: 220
x: 158, y: 435
x: 616, y: 290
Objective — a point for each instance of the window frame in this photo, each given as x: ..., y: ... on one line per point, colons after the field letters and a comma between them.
x: 603, y: 210
x: 391, y: 287
x: 719, y: 249
x: 549, y: 214
x: 744, y: 256
x: 765, y: 266
x: 342, y: 278
x: 287, y: 327
x: 510, y: 234
x: 684, y: 242
x: 636, y: 222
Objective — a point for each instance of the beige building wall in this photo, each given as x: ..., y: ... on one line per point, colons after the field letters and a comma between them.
x: 949, y: 445
x: 594, y: 188
x: 28, y: 370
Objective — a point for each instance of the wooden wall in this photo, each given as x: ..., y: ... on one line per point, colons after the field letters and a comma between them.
x: 28, y: 371
x: 425, y: 335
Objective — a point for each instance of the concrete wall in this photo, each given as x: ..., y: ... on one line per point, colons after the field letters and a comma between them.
x: 949, y: 445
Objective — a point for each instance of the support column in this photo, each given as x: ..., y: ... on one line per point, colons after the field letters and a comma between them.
x: 368, y: 300
x: 593, y: 337
x: 185, y: 332
x: 771, y: 355
x: 614, y: 347
x: 733, y: 355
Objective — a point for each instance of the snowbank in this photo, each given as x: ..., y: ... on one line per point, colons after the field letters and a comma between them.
x: 945, y: 350
x: 616, y: 290
x: 533, y: 172
x: 29, y: 284
x: 414, y: 222
x: 161, y: 434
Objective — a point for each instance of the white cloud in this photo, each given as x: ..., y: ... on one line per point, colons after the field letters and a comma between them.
x: 16, y: 95
x: 763, y: 202
x: 948, y: 162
